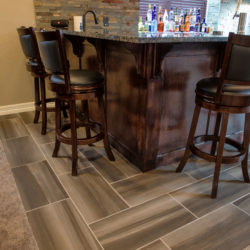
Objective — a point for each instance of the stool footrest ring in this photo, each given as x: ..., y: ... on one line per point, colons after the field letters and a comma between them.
x: 212, y: 158
x: 81, y: 141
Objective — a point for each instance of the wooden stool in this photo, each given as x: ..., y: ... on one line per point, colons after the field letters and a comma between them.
x: 35, y: 66
x: 229, y: 94
x: 70, y: 86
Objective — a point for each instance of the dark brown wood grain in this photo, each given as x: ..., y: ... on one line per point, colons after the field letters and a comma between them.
x: 150, y: 96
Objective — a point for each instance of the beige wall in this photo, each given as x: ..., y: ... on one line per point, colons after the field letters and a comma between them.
x: 16, y: 84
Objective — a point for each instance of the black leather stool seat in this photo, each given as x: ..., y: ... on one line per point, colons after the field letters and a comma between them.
x: 208, y: 87
x: 80, y: 78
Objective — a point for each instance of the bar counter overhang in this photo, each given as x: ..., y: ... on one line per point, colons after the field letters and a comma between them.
x: 150, y: 89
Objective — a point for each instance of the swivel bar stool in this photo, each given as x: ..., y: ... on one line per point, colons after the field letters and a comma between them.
x: 228, y: 94
x: 70, y: 86
x: 35, y: 66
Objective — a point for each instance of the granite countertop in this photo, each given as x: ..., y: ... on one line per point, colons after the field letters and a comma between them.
x: 142, y: 37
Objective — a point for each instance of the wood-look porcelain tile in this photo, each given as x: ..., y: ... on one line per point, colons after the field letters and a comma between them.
x: 120, y: 162
x: 22, y: 150
x: 28, y: 117
x: 199, y: 168
x: 244, y: 203
x: 35, y: 131
x: 147, y: 186
x: 10, y: 116
x: 11, y: 128
x: 196, y: 197
x: 60, y: 227
x: 227, y: 228
x: 62, y: 163
x: 92, y: 195
x: 110, y: 171
x: 142, y: 224
x: 38, y: 185
x: 157, y: 245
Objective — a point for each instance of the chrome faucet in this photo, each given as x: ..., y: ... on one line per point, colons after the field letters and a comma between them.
x: 84, y: 18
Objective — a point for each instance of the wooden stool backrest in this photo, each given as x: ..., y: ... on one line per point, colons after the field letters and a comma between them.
x: 53, y: 54
x: 29, y: 45
x: 236, y: 64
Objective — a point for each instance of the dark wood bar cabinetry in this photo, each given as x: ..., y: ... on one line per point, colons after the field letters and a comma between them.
x: 150, y: 85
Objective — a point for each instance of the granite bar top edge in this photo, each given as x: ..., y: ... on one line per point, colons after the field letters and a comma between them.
x: 140, y: 40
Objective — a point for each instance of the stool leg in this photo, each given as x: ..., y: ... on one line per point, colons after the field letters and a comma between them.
x: 44, y: 109
x: 216, y: 132
x: 85, y: 108
x: 72, y: 111
x: 244, y: 163
x: 58, y: 127
x: 219, y: 154
x: 37, y: 99
x: 104, y: 128
x: 64, y: 110
x: 190, y: 138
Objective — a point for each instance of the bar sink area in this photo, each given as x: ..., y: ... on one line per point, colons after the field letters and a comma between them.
x: 125, y: 125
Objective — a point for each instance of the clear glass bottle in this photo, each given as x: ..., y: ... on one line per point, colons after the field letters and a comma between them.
x: 165, y: 21
x: 149, y: 13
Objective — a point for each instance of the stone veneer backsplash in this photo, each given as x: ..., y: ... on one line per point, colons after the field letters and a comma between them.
x: 123, y: 14
x: 221, y: 13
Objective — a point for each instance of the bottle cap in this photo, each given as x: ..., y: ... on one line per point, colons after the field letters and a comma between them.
x: 149, y: 6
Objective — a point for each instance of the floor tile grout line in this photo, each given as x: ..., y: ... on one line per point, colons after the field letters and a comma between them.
x: 183, y: 206
x: 29, y: 163
x: 116, y: 192
x: 245, y: 212
x: 164, y: 243
x: 91, y: 231
x: 48, y: 204
x: 128, y: 177
x: 240, y: 197
x: 194, y: 221
x: 142, y: 203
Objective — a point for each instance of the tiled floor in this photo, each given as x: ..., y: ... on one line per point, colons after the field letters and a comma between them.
x: 112, y: 205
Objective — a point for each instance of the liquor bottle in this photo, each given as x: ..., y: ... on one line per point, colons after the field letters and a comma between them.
x: 181, y: 16
x: 192, y: 19
x: 187, y: 25
x: 176, y: 16
x: 154, y: 26
x: 203, y: 25
x: 159, y: 14
x: 140, y: 24
x: 197, y: 27
x: 146, y: 25
x: 165, y: 21
x: 149, y: 13
x: 198, y: 16
x: 185, y: 16
x: 160, y: 25
x: 154, y: 13
x: 194, y: 16
x: 171, y: 14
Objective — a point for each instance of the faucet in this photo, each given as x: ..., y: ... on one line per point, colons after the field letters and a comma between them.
x: 84, y: 18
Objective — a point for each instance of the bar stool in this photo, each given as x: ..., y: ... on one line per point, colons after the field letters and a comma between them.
x: 35, y: 66
x: 228, y: 94
x: 70, y: 86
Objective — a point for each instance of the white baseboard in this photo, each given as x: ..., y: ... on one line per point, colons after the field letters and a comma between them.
x: 17, y: 108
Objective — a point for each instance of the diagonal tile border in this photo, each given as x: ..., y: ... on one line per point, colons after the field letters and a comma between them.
x: 225, y: 228
x: 59, y: 226
x: 38, y: 185
x: 142, y: 224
